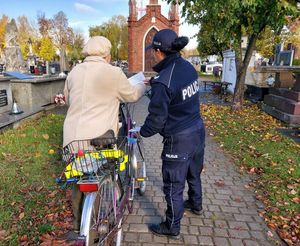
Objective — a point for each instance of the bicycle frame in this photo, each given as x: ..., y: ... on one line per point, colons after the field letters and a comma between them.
x: 130, y: 142
x: 128, y: 184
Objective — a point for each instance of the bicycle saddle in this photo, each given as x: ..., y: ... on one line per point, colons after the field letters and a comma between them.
x: 105, y: 140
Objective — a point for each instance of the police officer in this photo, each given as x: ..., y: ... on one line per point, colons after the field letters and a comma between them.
x: 174, y: 113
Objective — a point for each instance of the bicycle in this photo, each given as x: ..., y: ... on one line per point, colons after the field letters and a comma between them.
x: 108, y: 170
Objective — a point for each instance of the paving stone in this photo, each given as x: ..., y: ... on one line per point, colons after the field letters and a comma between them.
x: 258, y: 235
x: 221, y: 224
x: 138, y: 228
x: 131, y: 237
x: 196, y: 221
x: 219, y: 202
x: 248, y: 211
x: 160, y: 239
x: 131, y: 244
x: 238, y: 204
x: 134, y: 219
x: 242, y: 217
x: 224, y: 216
x: 208, y: 214
x: 235, y: 242
x: 208, y: 222
x: 229, y: 209
x: 145, y: 237
x: 177, y: 242
x: 153, y: 244
x: 255, y: 226
x: 206, y: 231
x: 203, y: 240
x: 146, y: 211
x: 225, y: 192
x: 238, y: 225
x: 193, y: 230
x: 220, y: 232
x: 221, y: 197
x: 213, y: 208
x: 221, y: 241
x: 243, y: 234
x: 190, y: 240
x: 251, y: 243
x: 184, y: 229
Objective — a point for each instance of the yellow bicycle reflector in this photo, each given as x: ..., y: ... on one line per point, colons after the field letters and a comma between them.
x: 70, y: 172
x: 123, y: 163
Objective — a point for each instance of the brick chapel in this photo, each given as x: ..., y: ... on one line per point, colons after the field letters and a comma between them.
x: 141, y: 32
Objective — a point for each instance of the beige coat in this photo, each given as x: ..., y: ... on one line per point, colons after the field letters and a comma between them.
x: 94, y: 90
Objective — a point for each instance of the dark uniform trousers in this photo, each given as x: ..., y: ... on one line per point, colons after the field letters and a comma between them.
x: 182, y: 159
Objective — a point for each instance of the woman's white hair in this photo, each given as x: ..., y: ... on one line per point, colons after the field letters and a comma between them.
x: 97, y: 46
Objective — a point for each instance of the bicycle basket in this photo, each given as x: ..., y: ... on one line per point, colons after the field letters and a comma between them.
x: 82, y: 158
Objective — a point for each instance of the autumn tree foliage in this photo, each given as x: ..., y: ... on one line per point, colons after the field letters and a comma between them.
x: 61, y: 35
x: 116, y: 30
x: 44, y: 24
x: 3, y: 23
x: 47, y: 49
x: 266, y: 42
x: 26, y: 33
x: 294, y: 37
x: 57, y: 31
x: 232, y: 19
x: 211, y: 43
x: 75, y: 47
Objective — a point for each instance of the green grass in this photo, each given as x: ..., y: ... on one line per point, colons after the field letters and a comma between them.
x: 27, y: 173
x: 250, y: 136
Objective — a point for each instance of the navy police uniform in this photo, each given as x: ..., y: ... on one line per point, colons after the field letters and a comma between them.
x: 174, y: 112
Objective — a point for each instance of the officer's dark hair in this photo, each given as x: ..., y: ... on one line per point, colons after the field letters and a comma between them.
x: 177, y: 45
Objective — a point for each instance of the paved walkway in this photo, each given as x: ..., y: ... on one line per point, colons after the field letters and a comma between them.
x: 231, y: 210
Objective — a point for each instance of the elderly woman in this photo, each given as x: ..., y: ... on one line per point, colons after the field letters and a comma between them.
x: 94, y: 90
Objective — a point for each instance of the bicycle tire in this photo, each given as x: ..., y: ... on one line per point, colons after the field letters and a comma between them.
x: 98, y: 218
x: 139, y: 166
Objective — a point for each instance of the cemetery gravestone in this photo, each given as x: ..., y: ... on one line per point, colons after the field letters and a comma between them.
x: 5, y: 95
x: 14, y: 60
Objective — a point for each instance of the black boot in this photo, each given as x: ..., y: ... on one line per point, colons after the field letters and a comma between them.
x: 195, y: 210
x: 162, y: 230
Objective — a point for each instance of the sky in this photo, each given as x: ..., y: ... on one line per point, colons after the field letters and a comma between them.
x: 82, y: 14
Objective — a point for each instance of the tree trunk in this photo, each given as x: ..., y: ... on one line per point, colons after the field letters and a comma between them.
x: 241, y: 70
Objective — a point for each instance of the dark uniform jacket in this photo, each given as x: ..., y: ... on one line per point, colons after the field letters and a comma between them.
x: 174, y: 105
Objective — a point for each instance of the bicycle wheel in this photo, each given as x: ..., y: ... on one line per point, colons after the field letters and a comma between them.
x: 139, y: 167
x: 98, y: 215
